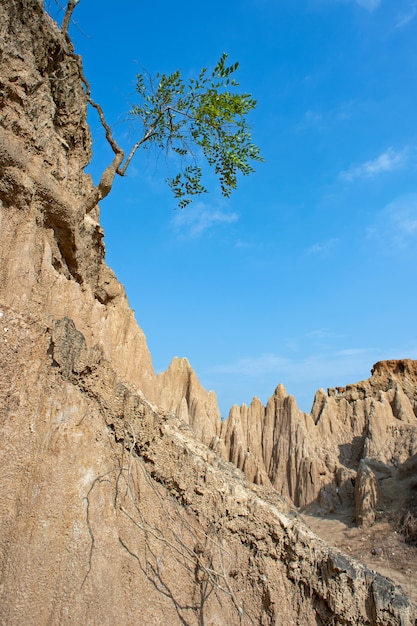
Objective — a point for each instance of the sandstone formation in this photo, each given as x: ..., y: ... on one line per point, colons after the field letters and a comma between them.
x: 366, y: 495
x: 272, y: 445
x: 115, y: 513
x: 51, y: 250
x: 53, y: 255
x: 180, y: 391
x: 112, y: 510
x: 314, y: 458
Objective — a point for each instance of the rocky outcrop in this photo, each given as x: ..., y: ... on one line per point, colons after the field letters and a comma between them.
x: 366, y: 495
x: 112, y: 510
x: 180, y: 392
x: 272, y: 445
x: 314, y: 458
x: 52, y: 252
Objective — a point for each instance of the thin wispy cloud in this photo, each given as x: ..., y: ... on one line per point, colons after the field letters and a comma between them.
x: 322, y: 333
x: 352, y: 352
x: 407, y: 17
x: 322, y: 365
x: 346, y: 109
x: 253, y: 366
x: 322, y: 340
x: 243, y: 244
x: 369, y: 5
x: 310, y: 120
x: 395, y: 227
x: 199, y: 218
x: 324, y: 248
x: 313, y: 116
x: 388, y: 161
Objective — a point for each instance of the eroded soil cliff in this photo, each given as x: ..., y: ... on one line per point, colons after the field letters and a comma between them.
x: 315, y: 458
x: 113, y: 511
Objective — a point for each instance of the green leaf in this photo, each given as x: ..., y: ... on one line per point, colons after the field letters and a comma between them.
x: 208, y: 117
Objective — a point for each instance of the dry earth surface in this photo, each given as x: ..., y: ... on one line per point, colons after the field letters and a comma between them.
x: 123, y: 499
x: 381, y: 547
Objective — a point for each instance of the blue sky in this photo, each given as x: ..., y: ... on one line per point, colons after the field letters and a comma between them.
x: 307, y: 275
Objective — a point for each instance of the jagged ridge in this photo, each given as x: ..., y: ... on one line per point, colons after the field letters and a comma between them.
x: 112, y: 510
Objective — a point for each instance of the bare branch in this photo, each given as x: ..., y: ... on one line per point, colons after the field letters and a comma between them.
x: 67, y: 17
x: 122, y: 170
x: 107, y: 178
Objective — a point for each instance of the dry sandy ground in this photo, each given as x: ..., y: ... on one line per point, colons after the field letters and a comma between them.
x: 380, y: 547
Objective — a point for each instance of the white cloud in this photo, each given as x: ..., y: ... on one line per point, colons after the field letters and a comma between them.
x: 405, y: 18
x: 322, y: 333
x: 254, y: 366
x: 321, y: 364
x: 310, y: 119
x: 386, y: 162
x: 369, y: 5
x: 395, y: 227
x: 243, y: 244
x: 352, y: 352
x: 199, y: 217
x: 346, y: 109
x: 313, y: 116
x: 323, y: 249
x: 301, y: 374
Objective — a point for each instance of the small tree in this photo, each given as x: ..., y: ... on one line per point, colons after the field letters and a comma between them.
x: 206, y: 117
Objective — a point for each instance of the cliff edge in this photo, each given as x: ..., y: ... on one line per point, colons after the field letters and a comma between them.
x: 112, y: 510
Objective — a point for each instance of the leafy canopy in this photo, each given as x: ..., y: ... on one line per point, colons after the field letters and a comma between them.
x: 206, y: 117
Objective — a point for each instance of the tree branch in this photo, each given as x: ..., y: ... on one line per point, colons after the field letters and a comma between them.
x: 213, y: 115
x: 148, y: 135
x: 67, y: 17
x: 107, y: 178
